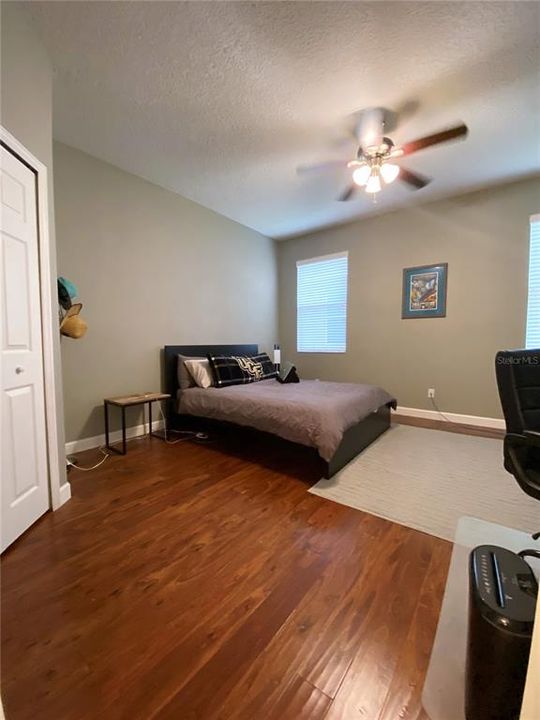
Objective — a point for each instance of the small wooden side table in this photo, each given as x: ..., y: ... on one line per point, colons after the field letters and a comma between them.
x: 123, y: 402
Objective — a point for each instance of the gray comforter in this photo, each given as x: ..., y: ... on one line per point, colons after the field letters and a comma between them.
x: 312, y: 412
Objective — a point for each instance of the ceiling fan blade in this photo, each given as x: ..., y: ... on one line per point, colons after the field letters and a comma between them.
x: 460, y: 131
x: 322, y: 167
x: 413, y: 179
x: 348, y: 193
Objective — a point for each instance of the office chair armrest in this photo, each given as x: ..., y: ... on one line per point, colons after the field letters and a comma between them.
x: 529, y: 438
x: 517, y: 460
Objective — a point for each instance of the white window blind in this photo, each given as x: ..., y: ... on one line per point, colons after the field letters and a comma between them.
x: 321, y: 304
x: 533, y: 306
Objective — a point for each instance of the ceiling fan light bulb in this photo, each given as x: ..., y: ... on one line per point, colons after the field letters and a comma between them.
x: 360, y: 175
x: 389, y: 172
x: 373, y: 185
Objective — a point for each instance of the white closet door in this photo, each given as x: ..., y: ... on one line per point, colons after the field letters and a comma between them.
x: 24, y: 479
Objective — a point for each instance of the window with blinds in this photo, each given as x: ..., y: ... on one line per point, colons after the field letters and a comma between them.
x: 321, y: 304
x: 533, y: 306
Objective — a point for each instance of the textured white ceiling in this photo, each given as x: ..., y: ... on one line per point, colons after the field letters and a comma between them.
x: 220, y: 101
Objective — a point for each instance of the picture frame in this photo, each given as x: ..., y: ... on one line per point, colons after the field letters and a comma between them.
x: 424, y: 291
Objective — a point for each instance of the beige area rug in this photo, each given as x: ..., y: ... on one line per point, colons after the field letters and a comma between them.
x: 428, y: 479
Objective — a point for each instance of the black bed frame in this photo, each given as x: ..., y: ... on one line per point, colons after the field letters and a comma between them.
x: 355, y: 439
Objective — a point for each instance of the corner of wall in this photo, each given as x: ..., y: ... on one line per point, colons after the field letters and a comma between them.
x: 26, y: 112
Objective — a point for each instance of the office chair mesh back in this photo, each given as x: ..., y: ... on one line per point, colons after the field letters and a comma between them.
x: 518, y: 378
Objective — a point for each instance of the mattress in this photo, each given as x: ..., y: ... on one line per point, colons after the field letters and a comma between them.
x: 311, y: 412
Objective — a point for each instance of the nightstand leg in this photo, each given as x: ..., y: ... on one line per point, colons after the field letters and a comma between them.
x: 106, y: 413
x: 150, y: 419
x: 123, y: 430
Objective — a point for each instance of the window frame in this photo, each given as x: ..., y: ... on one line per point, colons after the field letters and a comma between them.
x: 311, y: 261
x: 529, y: 345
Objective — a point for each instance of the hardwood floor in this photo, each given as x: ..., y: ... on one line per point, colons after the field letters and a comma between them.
x: 185, y: 582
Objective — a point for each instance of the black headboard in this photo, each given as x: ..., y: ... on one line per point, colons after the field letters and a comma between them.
x: 170, y: 361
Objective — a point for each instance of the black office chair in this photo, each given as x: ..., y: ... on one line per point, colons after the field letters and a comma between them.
x: 518, y: 378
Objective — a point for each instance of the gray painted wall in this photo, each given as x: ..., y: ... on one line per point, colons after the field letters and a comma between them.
x: 151, y: 268
x: 484, y: 237
x: 26, y: 112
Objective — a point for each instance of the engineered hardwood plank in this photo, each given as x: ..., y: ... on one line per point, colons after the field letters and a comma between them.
x: 292, y: 698
x: 203, y: 581
x: 319, y: 639
x: 188, y: 651
x: 235, y: 655
x: 403, y: 699
x: 116, y: 618
x: 367, y: 680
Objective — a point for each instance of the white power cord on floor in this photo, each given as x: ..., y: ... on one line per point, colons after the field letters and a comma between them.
x: 104, y: 452
x: 439, y: 411
x: 93, y: 467
x: 187, y: 435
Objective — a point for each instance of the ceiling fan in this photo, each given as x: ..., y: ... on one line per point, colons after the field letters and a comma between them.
x: 376, y: 153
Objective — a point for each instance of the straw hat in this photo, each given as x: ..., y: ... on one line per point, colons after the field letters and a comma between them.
x: 73, y: 325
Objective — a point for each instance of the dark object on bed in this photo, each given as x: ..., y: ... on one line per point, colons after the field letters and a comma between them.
x: 240, y: 369
x: 355, y: 439
x: 518, y: 379
x: 288, y: 374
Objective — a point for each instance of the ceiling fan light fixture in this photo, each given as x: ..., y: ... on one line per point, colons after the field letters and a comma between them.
x: 374, y: 162
x: 361, y: 175
x: 373, y: 185
x: 389, y: 172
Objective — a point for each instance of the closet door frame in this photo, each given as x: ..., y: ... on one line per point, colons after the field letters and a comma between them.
x: 59, y: 488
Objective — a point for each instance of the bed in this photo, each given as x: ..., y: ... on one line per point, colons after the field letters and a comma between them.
x: 338, y: 420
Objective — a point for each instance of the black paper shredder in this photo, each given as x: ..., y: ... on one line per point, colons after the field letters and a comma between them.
x: 502, y: 604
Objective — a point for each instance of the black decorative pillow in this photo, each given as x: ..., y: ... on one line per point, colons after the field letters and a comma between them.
x: 268, y: 367
x: 241, y: 369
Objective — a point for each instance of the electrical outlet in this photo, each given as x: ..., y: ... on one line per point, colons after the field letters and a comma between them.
x: 431, y: 392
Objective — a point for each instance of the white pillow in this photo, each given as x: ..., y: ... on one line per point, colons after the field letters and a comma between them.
x: 200, y: 371
x: 185, y: 380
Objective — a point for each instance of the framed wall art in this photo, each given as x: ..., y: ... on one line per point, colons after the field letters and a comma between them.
x: 424, y: 291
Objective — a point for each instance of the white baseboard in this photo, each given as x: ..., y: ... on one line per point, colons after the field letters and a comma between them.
x: 65, y: 493
x: 98, y: 440
x: 475, y: 420
x: 138, y: 430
